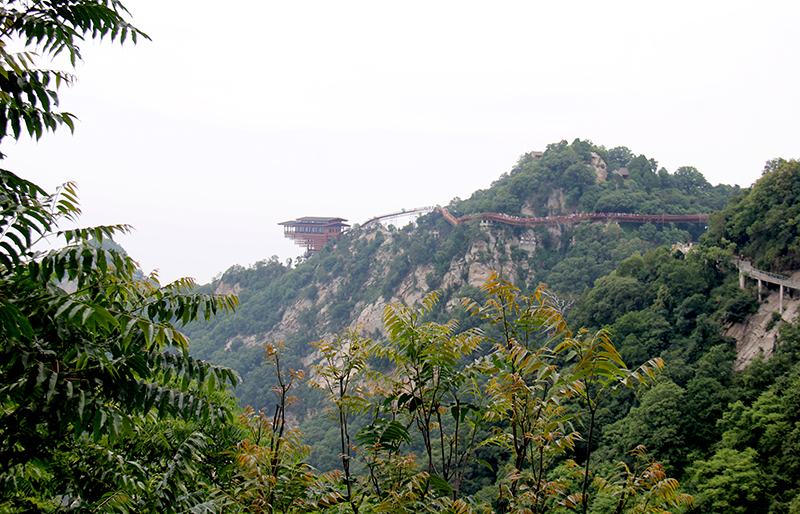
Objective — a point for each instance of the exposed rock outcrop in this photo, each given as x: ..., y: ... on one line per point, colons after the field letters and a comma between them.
x: 490, y: 252
x: 758, y: 333
x: 555, y: 203
x: 599, y: 167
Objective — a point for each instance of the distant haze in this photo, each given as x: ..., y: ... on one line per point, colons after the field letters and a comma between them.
x: 240, y: 115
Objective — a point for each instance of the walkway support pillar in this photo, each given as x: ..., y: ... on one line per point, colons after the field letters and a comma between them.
x: 747, y: 269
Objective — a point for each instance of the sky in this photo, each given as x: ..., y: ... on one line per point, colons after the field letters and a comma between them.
x: 238, y: 115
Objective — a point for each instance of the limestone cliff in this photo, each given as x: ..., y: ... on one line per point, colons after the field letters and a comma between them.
x: 485, y: 254
x: 757, y: 334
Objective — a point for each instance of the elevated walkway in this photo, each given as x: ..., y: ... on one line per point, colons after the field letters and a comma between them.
x: 493, y: 217
x: 568, y: 219
x: 747, y: 270
x: 419, y: 211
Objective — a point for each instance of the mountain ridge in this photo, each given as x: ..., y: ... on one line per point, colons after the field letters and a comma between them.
x: 350, y: 281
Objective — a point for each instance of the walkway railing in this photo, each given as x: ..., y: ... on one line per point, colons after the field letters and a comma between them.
x: 574, y: 218
x: 747, y: 270
x: 413, y: 212
x: 545, y: 220
x: 773, y: 278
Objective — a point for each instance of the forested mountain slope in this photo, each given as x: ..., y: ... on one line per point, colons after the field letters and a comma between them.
x: 351, y: 281
x: 729, y: 436
x: 482, y: 397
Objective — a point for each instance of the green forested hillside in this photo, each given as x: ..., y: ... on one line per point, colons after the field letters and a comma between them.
x: 369, y: 267
x: 572, y: 169
x: 397, y: 370
x: 726, y: 435
x: 731, y: 435
x: 762, y: 222
x: 485, y: 396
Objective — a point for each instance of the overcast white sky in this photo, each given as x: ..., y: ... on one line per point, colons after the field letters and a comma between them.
x: 245, y: 113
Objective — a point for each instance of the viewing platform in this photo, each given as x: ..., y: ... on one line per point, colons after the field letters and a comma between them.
x: 313, y: 232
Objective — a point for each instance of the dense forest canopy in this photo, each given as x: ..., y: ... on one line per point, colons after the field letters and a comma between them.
x: 572, y: 169
x: 762, y: 222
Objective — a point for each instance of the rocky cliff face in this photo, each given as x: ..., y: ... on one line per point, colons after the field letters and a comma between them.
x: 599, y: 167
x: 473, y: 268
x: 758, y: 333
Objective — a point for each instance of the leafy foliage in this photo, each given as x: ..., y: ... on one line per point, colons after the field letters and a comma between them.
x: 91, y: 356
x: 29, y: 94
x: 762, y: 222
x: 644, y: 485
x: 441, y: 400
x: 571, y: 169
x: 103, y: 408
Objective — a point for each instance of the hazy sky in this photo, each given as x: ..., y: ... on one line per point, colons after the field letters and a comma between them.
x: 245, y: 113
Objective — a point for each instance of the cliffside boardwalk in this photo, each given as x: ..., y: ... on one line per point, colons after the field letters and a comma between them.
x: 494, y: 217
x: 747, y: 270
x: 419, y: 211
x: 314, y: 233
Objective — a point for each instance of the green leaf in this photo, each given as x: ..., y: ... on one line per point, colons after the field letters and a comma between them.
x: 97, y: 424
x: 81, y: 404
x: 116, y: 423
x: 52, y: 387
x: 440, y: 485
x: 395, y: 432
x: 486, y: 464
